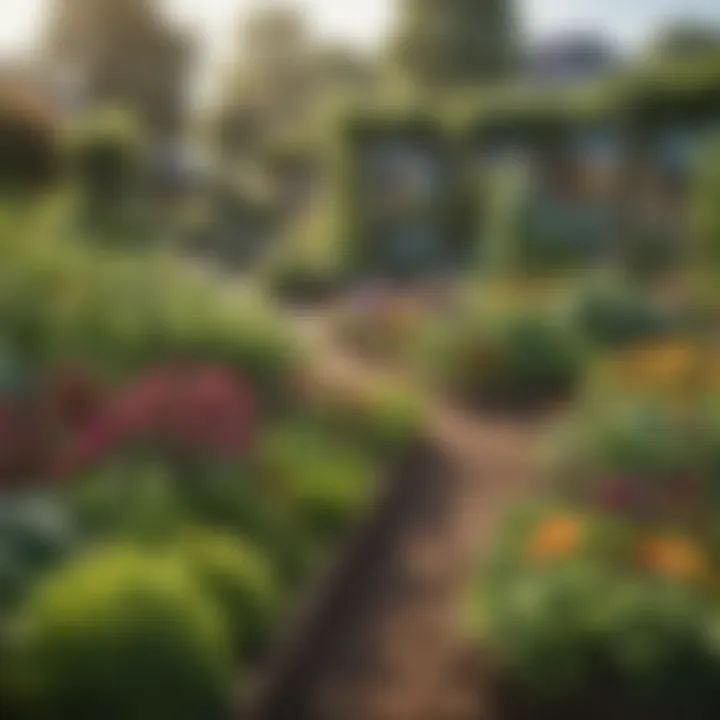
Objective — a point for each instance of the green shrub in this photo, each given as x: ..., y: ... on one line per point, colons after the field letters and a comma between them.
x: 385, y: 416
x: 325, y: 479
x: 123, y: 635
x: 127, y: 496
x: 35, y: 534
x: 558, y: 624
x: 303, y: 281
x: 30, y: 147
x: 511, y: 357
x: 559, y: 629
x: 239, y: 577
x: 108, y: 157
x: 123, y: 314
x: 705, y: 212
x: 621, y: 316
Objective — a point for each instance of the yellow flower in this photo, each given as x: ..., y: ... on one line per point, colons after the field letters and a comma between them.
x: 556, y: 537
x: 674, y: 557
x: 658, y: 367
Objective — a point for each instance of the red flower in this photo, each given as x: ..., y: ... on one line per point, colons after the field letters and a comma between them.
x: 93, y: 442
x: 620, y: 494
x: 195, y: 409
x: 21, y: 446
x: 70, y: 397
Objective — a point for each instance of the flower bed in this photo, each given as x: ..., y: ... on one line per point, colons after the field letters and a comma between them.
x: 602, y: 600
x: 170, y: 486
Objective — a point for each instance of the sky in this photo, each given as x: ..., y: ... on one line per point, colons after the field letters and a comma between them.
x: 365, y: 22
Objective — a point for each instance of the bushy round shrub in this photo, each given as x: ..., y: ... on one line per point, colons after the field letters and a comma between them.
x: 239, y: 577
x: 509, y: 358
x: 123, y: 635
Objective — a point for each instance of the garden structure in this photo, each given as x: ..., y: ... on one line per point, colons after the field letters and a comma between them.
x: 414, y: 182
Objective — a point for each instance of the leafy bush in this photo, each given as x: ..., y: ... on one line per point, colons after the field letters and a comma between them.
x: 705, y: 214
x: 326, y: 479
x: 510, y: 357
x: 620, y: 316
x: 238, y: 576
x: 385, y: 416
x: 35, y: 534
x: 108, y: 157
x: 303, y: 281
x: 122, y: 315
x: 30, y: 148
x: 569, y: 598
x: 124, y: 635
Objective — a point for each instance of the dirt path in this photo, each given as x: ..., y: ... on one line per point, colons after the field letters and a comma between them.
x: 381, y: 642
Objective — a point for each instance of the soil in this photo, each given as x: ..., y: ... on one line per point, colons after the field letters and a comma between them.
x: 380, y: 640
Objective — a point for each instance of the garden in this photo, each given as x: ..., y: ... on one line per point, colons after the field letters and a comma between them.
x: 177, y: 481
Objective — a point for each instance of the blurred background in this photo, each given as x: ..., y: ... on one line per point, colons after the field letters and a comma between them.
x: 359, y: 360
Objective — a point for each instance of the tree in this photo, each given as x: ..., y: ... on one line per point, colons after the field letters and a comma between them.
x: 451, y: 43
x: 686, y: 40
x: 123, y: 52
x: 279, y: 77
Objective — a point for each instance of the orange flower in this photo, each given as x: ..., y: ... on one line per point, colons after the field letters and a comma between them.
x: 674, y: 557
x: 556, y: 537
x: 659, y: 366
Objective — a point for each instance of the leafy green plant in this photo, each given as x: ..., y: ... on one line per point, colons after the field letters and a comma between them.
x: 510, y: 357
x: 326, y: 479
x: 107, y: 156
x: 36, y: 533
x: 385, y: 416
x: 123, y: 634
x: 563, y: 610
x: 31, y: 153
x: 621, y: 316
x: 241, y: 579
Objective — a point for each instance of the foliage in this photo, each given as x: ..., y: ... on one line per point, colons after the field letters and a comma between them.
x: 185, y: 411
x: 508, y: 356
x: 477, y: 46
x: 639, y: 460
x: 122, y: 314
x: 326, y: 480
x: 123, y: 634
x: 705, y: 215
x: 240, y: 578
x: 31, y: 153
x: 622, y: 315
x: 35, y: 534
x: 600, y: 607
x: 386, y: 415
x: 107, y: 156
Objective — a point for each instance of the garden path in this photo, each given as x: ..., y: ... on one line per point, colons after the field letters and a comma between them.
x: 381, y: 640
